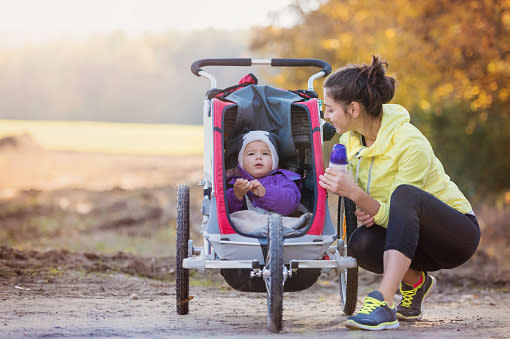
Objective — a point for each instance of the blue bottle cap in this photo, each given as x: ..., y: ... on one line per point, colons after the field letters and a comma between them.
x: 339, y: 155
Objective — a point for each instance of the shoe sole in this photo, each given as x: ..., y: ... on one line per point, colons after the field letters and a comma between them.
x: 417, y: 317
x: 384, y: 326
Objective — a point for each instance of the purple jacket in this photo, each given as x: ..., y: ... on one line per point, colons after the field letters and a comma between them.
x: 282, y: 192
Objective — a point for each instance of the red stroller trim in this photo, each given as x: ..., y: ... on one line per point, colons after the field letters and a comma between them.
x: 224, y: 224
x: 219, y: 185
x: 320, y: 210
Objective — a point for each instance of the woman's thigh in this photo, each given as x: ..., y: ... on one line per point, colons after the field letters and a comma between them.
x: 428, y: 231
x: 367, y: 246
x: 431, y: 233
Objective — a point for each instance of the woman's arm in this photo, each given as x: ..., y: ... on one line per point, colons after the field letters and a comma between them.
x: 413, y: 167
x: 342, y: 183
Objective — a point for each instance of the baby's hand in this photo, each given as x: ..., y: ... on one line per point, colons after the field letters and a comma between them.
x: 241, y: 187
x: 257, y: 188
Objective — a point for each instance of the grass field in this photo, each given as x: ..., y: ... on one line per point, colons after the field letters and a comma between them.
x: 110, y: 137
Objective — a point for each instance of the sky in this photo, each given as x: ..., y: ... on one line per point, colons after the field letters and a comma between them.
x: 24, y: 21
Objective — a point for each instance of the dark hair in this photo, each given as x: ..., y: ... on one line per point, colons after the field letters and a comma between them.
x: 366, y: 84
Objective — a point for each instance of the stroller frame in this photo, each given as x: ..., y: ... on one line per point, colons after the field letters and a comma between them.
x: 234, y: 251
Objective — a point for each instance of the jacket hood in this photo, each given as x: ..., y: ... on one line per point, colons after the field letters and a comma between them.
x: 393, y: 117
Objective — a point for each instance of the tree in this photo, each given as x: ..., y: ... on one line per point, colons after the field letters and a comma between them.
x: 452, y: 61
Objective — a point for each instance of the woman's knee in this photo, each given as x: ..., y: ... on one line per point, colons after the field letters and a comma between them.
x: 361, y: 240
x: 367, y: 246
x: 405, y: 192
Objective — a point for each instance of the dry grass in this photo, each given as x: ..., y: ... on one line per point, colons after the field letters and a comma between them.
x: 123, y: 138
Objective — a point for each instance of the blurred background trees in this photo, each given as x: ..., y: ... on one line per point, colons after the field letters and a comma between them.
x: 450, y: 57
x: 114, y: 77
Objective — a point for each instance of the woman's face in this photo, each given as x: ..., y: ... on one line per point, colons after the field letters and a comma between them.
x: 257, y: 159
x: 335, y: 112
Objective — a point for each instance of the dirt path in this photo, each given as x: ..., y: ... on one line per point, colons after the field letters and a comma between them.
x: 87, y: 247
x: 120, y: 305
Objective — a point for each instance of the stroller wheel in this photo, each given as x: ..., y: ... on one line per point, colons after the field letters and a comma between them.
x: 274, y: 283
x: 349, y: 276
x: 349, y: 289
x: 182, y: 274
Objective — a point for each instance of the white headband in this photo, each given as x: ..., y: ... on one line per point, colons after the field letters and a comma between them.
x: 258, y: 136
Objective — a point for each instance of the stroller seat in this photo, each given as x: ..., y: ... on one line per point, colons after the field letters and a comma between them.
x: 295, y: 120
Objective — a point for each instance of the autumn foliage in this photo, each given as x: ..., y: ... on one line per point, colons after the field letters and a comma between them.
x: 452, y: 62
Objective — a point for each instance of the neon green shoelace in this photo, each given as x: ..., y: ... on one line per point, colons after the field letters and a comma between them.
x: 407, y: 297
x: 370, y: 305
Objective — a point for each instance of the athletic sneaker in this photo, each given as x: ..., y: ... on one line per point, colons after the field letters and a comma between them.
x: 411, y: 306
x: 374, y: 315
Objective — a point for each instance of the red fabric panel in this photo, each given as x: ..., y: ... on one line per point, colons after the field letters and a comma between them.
x: 319, y: 216
x: 248, y: 79
x: 223, y: 222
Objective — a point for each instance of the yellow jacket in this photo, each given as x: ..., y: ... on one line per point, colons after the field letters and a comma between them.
x: 400, y: 155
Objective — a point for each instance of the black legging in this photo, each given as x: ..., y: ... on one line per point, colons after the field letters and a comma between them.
x: 425, y: 229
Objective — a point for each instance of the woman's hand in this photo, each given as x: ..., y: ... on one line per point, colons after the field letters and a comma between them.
x: 241, y: 187
x: 257, y: 188
x: 364, y: 218
x: 343, y: 184
x: 339, y: 182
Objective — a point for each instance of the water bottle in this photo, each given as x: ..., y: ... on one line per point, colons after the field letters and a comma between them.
x: 338, y: 159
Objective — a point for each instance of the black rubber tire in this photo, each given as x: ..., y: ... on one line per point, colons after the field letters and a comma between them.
x: 275, y: 265
x: 349, y: 277
x: 183, y: 229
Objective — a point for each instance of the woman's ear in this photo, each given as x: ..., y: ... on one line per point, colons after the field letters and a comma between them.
x: 355, y: 109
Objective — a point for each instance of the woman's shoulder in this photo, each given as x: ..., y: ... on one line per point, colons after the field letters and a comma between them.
x: 409, y: 134
x: 410, y: 143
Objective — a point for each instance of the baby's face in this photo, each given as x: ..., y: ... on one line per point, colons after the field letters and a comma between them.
x: 257, y: 159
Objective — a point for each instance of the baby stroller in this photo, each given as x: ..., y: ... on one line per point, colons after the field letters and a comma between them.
x: 284, y: 254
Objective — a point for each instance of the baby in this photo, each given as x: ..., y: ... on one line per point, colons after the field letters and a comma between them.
x: 259, y: 179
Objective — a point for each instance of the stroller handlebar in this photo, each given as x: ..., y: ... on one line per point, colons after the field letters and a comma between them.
x: 290, y: 62
x: 277, y: 62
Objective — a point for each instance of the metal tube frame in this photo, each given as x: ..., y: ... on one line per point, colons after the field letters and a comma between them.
x: 201, y: 262
x: 265, y: 62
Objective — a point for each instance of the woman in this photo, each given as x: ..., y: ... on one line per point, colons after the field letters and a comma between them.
x: 414, y: 218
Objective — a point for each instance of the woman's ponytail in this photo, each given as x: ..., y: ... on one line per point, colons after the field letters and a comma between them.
x: 367, y: 84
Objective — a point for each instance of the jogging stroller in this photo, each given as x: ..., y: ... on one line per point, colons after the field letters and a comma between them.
x: 279, y: 257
